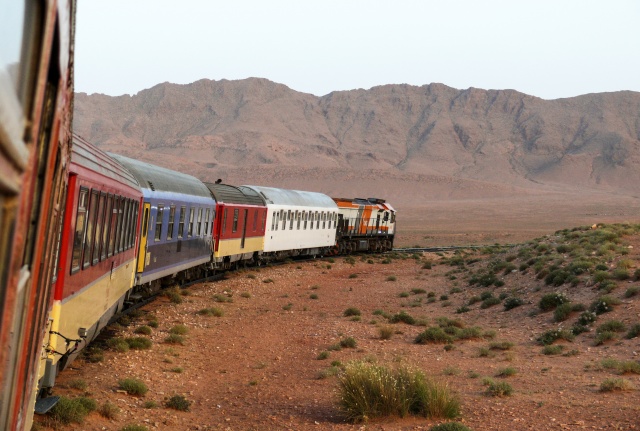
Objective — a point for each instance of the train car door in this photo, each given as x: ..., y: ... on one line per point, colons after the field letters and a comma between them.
x: 244, y: 228
x: 142, y: 253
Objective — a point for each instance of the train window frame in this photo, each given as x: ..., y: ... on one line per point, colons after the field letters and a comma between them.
x: 283, y: 217
x: 311, y: 219
x: 191, y: 217
x: 90, y: 230
x: 113, y: 227
x: 199, y: 222
x: 290, y: 216
x: 135, y: 223
x: 213, y: 217
x: 97, y: 242
x: 158, y: 225
x: 236, y: 215
x: 132, y: 222
x: 317, y: 220
x: 78, y: 240
x: 127, y: 224
x: 104, y: 250
x: 298, y: 219
x: 224, y: 221
x: 255, y: 219
x: 273, y: 221
x: 118, y: 245
x: 172, y: 216
x: 181, y: 217
x: 205, y: 231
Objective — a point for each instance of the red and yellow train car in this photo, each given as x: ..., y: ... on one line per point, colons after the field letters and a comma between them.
x: 364, y: 225
x: 36, y: 90
x: 239, y: 228
x: 97, y: 253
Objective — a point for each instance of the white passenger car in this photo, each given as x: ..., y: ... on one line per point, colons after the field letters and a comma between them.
x: 298, y: 222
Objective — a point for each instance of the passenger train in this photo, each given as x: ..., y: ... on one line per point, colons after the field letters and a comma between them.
x: 131, y: 228
x: 85, y: 234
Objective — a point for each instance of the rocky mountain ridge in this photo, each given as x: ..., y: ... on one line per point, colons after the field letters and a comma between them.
x: 414, y: 143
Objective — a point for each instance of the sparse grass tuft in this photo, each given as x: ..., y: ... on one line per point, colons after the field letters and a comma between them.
x: 212, y: 311
x: 174, y: 339
x: 552, y: 349
x: 79, y: 384
x: 118, y: 344
x: 550, y: 336
x: 368, y: 391
x: 178, y: 402
x: 506, y: 372
x: 133, y: 386
x: 144, y: 330
x: 323, y: 355
x: 450, y: 426
x: 138, y: 343
x: 634, y: 331
x: 497, y: 389
x: 392, y: 278
x: 403, y: 317
x: 632, y: 291
x: 109, y: 410
x: 134, y: 428
x: 385, y: 332
x: 72, y: 410
x: 348, y: 342
x: 179, y: 330
x: 351, y: 311
x: 616, y: 384
x: 513, y: 302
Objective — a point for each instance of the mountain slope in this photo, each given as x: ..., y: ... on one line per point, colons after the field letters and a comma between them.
x: 451, y: 143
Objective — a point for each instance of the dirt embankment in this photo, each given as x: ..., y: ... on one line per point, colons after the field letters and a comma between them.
x: 257, y: 367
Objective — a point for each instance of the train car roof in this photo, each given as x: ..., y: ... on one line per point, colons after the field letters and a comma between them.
x: 87, y: 155
x: 155, y: 178
x: 276, y: 196
x: 235, y: 195
x: 356, y: 202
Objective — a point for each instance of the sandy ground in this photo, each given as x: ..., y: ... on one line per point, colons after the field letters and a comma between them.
x: 257, y: 367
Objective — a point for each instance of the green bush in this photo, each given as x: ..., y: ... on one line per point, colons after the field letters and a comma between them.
x: 562, y: 312
x: 551, y: 300
x: 634, y: 331
x: 604, y: 304
x: 434, y: 335
x: 138, y: 343
x: 550, y: 336
x: 109, y: 410
x: 604, y: 336
x: 490, y: 302
x: 611, y: 325
x: 553, y: 349
x: 179, y: 330
x: 587, y: 318
x: 632, y: 291
x: 144, y: 330
x: 178, y: 402
x: 133, y: 386
x: 351, y: 311
x: 386, y: 332
x: 174, y: 339
x: 513, y: 302
x: 403, y: 317
x: 72, y: 410
x: 118, y: 344
x: 369, y: 391
x: 348, y: 342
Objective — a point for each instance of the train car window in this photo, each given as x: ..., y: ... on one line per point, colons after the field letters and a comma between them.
x: 255, y: 220
x: 205, y: 231
x: 91, y: 225
x: 172, y: 215
x: 273, y: 221
x: 127, y: 224
x: 304, y: 219
x: 224, y: 222
x: 159, y: 217
x: 104, y: 250
x: 290, y: 217
x: 183, y: 210
x: 311, y: 219
x: 81, y: 224
x: 135, y: 223
x: 124, y: 208
x: 132, y: 222
x: 213, y: 217
x: 199, y: 222
x: 277, y: 219
x: 235, y: 220
x: 191, y: 215
x: 298, y: 219
x: 97, y: 242
x: 283, y: 217
x: 118, y: 245
x: 324, y: 220
x: 113, y: 227
x: 317, y: 220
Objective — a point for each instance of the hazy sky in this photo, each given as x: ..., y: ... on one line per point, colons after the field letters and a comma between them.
x: 545, y: 48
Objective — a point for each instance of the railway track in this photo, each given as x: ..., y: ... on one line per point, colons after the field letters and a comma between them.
x: 447, y: 248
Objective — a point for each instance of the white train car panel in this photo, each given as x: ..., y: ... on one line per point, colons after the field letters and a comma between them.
x: 298, y: 222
